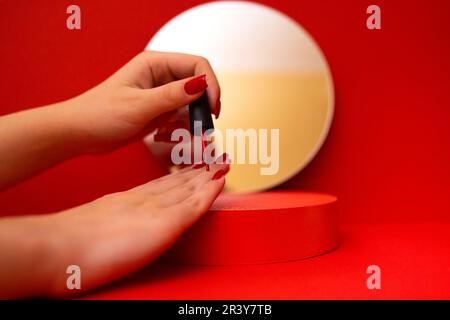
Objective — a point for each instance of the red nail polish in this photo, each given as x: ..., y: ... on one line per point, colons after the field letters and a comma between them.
x: 199, y: 165
x: 196, y: 85
x: 219, y: 104
x: 219, y: 174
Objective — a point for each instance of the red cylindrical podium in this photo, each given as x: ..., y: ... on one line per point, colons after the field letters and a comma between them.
x: 260, y: 228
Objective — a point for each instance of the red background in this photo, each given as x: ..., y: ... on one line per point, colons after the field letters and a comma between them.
x: 388, y: 153
x: 387, y: 156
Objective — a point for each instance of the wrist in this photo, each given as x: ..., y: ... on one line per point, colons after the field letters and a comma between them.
x: 28, y: 257
x: 50, y: 253
x: 88, y: 131
x: 74, y: 138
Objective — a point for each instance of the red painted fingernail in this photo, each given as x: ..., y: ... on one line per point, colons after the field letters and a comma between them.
x: 219, y: 174
x: 196, y: 85
x: 219, y: 104
x: 199, y: 165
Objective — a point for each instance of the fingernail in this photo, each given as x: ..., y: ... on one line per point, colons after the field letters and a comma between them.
x: 219, y: 174
x: 196, y: 85
x: 219, y: 104
x: 199, y: 165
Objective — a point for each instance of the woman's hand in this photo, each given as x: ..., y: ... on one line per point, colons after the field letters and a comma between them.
x: 141, y: 97
x: 107, y: 238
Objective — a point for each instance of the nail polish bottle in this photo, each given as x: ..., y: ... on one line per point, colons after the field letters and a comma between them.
x: 200, y: 115
x: 199, y: 111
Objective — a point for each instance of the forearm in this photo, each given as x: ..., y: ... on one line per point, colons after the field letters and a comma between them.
x: 27, y: 254
x: 34, y: 140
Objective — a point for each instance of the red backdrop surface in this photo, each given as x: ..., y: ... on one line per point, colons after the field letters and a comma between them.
x: 386, y: 158
x: 388, y: 153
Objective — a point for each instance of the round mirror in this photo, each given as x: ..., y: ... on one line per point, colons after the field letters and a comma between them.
x: 277, y: 89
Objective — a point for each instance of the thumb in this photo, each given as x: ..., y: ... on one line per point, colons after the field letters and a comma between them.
x: 173, y: 95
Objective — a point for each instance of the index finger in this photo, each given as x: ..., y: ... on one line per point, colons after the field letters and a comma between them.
x: 179, y: 66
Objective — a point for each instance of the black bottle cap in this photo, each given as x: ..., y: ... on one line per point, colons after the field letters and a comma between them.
x: 199, y: 111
